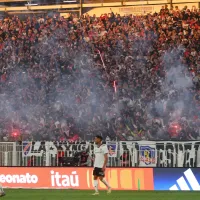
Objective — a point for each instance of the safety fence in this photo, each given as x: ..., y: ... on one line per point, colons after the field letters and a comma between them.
x: 121, y: 154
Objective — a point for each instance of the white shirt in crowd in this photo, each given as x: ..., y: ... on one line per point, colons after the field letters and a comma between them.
x: 99, y: 153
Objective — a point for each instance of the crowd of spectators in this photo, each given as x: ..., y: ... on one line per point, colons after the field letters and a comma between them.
x: 123, y: 77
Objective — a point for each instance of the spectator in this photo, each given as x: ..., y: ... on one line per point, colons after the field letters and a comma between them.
x: 84, y: 158
x: 125, y: 159
x: 60, y: 156
x: 128, y: 77
x: 32, y: 161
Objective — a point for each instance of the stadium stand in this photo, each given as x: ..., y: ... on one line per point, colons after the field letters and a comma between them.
x: 125, y: 77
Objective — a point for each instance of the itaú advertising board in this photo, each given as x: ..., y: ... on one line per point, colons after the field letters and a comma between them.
x: 75, y: 178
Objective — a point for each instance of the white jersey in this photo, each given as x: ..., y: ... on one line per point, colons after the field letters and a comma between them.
x: 99, y: 153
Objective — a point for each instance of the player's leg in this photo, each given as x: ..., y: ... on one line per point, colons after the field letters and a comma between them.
x: 1, y: 188
x: 95, y: 181
x: 2, y: 193
x: 103, y: 180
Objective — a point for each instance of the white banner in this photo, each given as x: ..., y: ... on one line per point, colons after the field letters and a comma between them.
x: 128, y: 148
x: 51, y: 148
x: 147, y: 154
x: 131, y: 153
x: 30, y: 149
x: 112, y: 149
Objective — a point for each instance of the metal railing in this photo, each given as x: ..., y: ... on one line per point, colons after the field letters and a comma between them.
x: 124, y: 154
x: 122, y: 159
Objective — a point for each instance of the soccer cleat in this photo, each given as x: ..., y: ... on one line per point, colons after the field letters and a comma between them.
x: 109, y: 191
x: 96, y: 193
x: 2, y: 194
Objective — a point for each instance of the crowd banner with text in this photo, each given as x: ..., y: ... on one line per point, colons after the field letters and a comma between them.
x: 140, y: 153
x: 39, y: 147
x: 129, y: 147
x: 75, y: 178
x: 147, y: 154
x: 137, y: 10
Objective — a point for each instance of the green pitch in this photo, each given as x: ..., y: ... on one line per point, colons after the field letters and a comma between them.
x: 19, y: 194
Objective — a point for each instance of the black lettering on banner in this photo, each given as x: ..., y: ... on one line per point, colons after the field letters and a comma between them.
x: 166, y: 154
x: 32, y: 147
x: 71, y: 148
x: 177, y: 154
x: 42, y: 147
x: 37, y: 147
x: 169, y: 153
x: 124, y: 146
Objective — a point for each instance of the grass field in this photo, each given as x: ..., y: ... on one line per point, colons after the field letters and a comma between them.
x: 19, y: 194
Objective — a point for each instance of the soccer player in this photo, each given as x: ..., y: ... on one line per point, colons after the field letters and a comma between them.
x: 100, y: 162
x: 2, y: 193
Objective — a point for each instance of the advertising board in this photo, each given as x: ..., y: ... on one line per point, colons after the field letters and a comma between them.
x: 177, y: 179
x: 75, y: 178
x: 185, y: 179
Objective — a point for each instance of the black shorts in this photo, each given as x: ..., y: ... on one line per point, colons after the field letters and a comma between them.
x: 98, y: 172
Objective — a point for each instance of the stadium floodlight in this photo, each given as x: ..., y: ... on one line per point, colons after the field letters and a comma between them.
x: 70, y: 1
x: 31, y: 4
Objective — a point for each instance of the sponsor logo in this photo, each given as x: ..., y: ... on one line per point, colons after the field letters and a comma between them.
x: 26, y: 178
x: 125, y: 179
x: 58, y: 180
x: 26, y: 147
x: 147, y: 155
x: 182, y: 182
x: 112, y: 149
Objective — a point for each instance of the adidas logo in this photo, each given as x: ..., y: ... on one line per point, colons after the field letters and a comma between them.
x: 191, y: 179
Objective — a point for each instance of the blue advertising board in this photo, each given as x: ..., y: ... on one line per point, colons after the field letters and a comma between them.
x: 177, y: 179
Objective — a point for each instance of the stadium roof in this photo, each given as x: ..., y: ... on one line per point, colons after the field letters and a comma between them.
x: 54, y: 2
x: 24, y: 5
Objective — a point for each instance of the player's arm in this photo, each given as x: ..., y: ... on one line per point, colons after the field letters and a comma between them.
x: 93, y: 158
x: 105, y: 161
x: 105, y: 157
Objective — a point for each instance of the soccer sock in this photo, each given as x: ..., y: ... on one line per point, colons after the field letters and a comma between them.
x: 96, y: 185
x: 105, y: 183
x: 1, y: 188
